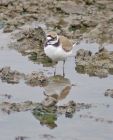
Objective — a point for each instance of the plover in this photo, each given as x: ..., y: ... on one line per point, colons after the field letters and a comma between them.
x: 57, y: 48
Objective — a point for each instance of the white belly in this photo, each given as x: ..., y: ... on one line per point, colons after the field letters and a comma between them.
x: 56, y: 53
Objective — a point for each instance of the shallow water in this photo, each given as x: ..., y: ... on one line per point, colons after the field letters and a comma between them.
x: 87, y: 90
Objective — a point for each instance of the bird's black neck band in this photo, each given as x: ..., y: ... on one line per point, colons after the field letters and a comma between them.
x: 55, y: 44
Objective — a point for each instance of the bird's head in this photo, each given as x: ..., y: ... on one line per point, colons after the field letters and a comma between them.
x: 52, y: 36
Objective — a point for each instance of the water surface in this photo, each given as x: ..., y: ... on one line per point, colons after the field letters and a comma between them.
x: 87, y: 90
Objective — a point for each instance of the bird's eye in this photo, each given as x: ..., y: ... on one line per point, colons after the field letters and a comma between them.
x: 51, y: 38
x: 54, y: 38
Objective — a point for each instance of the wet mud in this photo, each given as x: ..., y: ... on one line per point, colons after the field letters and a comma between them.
x: 100, y: 64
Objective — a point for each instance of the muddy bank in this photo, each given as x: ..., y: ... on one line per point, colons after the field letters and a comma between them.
x: 99, y: 64
x: 13, y: 77
x: 75, y: 19
x: 29, y: 41
x: 36, y: 79
x: 9, y: 76
x: 8, y: 107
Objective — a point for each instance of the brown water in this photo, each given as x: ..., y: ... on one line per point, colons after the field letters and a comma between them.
x: 88, y: 124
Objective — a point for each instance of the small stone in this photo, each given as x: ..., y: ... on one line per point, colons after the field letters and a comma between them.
x: 89, y: 2
x: 109, y: 92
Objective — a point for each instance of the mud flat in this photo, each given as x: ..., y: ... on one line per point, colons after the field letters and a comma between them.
x: 75, y: 18
x: 100, y: 64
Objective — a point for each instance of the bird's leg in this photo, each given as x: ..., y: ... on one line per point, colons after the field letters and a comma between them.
x: 63, y: 68
x: 55, y: 71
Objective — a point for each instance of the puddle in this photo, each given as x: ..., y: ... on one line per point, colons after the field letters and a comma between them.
x: 93, y: 47
x: 21, y: 92
x: 86, y: 90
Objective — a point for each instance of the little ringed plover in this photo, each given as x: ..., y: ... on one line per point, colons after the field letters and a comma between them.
x: 57, y: 47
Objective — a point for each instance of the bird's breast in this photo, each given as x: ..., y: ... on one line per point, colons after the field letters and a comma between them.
x: 56, y: 53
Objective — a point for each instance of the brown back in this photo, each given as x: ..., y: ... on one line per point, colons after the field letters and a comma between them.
x: 66, y: 44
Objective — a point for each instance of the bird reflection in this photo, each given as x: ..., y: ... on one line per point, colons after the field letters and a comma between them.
x: 47, y: 112
x: 58, y: 87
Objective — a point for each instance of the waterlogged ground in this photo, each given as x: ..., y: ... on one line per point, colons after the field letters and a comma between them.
x: 90, y: 123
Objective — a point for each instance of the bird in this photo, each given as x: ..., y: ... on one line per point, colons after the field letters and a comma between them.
x: 57, y: 48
